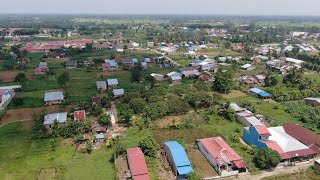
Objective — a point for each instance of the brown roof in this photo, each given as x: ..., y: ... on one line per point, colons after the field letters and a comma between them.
x: 303, y: 135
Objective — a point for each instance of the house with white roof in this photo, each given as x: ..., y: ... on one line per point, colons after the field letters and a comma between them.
x: 51, y: 98
x: 112, y: 83
x: 50, y: 119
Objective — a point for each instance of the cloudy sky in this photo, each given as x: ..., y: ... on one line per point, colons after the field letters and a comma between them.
x: 213, y: 7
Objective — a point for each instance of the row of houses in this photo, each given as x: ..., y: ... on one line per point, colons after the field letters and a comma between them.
x: 284, y: 64
x: 256, y: 79
x: 110, y: 84
x: 245, y: 116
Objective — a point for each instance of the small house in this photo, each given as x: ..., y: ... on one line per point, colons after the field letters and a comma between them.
x: 312, y: 101
x: 71, y: 64
x: 50, y: 119
x: 144, y: 65
x: 101, y: 85
x: 112, y: 83
x: 205, y: 76
x: 247, y: 67
x: 316, y: 165
x: 248, y: 119
x: 118, y: 92
x: 157, y: 77
x: 96, y: 100
x: 137, y: 164
x: 260, y: 93
x: 79, y: 115
x: 100, y: 138
x: 97, y: 128
x: 175, y: 79
x: 178, y: 159
x: 221, y: 156
x: 51, y: 98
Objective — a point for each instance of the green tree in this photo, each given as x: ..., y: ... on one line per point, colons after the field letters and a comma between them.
x: 3, y: 113
x: 21, y: 78
x: 63, y: 78
x: 270, y: 81
x: 223, y: 81
x: 89, y: 147
x: 267, y: 158
x: 227, y: 45
x: 136, y: 73
x: 104, y: 120
x: 138, y: 105
x: 149, y: 146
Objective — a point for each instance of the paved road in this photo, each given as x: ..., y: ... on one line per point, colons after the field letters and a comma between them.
x: 162, y: 54
x: 277, y: 171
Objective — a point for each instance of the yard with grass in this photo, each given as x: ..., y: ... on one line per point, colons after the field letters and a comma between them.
x: 24, y: 158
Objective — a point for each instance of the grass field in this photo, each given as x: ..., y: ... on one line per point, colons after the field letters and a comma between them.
x: 24, y: 158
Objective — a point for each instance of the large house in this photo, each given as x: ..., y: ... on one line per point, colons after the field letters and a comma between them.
x: 51, y: 98
x: 51, y: 119
x: 137, y: 164
x: 178, y: 159
x: 221, y: 156
x: 276, y: 138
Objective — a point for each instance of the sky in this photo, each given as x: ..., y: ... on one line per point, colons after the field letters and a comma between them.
x: 201, y: 7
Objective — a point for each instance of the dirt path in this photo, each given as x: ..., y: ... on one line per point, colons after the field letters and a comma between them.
x: 162, y: 54
x: 277, y: 171
x: 25, y: 114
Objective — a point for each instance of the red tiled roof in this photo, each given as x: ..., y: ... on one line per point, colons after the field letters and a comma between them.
x: 220, y: 150
x: 96, y: 100
x: 79, y: 115
x: 275, y: 146
x: 262, y: 130
x: 3, y: 91
x: 303, y: 135
x: 137, y: 164
x: 106, y: 65
x: 240, y: 164
x: 302, y: 152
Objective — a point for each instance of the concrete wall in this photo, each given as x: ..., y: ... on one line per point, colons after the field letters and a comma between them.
x: 209, y: 157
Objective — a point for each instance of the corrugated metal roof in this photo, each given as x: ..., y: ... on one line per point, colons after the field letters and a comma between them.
x: 101, y: 84
x: 53, y: 96
x: 138, y: 166
x: 179, y: 155
x: 220, y: 150
x: 262, y: 130
x: 112, y: 82
x: 50, y: 118
x: 118, y: 92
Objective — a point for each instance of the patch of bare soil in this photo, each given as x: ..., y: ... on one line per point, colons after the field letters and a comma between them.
x: 9, y: 76
x: 46, y: 174
x: 122, y: 168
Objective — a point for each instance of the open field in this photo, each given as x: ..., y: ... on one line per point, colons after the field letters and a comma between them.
x: 24, y: 158
x: 9, y: 76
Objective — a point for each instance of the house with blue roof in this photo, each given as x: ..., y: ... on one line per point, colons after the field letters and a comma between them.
x: 260, y: 93
x: 178, y: 159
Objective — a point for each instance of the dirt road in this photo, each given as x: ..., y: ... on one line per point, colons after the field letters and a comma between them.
x: 277, y: 171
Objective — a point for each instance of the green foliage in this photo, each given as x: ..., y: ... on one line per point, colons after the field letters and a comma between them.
x: 306, y: 114
x: 193, y: 176
x: 38, y: 129
x: 176, y: 105
x: 63, y: 78
x: 78, y: 139
x: 136, y: 73
x: 105, y: 102
x: 71, y: 128
x: 199, y: 99
x: 104, y: 120
x: 21, y: 78
x: 223, y: 81
x: 138, y: 105
x: 149, y: 146
x: 270, y: 81
x: 3, y: 112
x: 267, y: 158
x: 18, y: 101
x: 156, y: 110
x: 89, y: 147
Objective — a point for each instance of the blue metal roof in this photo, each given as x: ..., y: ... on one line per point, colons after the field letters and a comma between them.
x: 265, y: 94
x: 179, y: 155
x: 184, y: 170
x: 256, y: 90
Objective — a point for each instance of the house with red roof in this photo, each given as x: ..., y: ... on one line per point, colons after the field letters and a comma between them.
x: 276, y: 138
x: 137, y: 164
x: 79, y: 115
x: 221, y: 156
x: 305, y: 136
